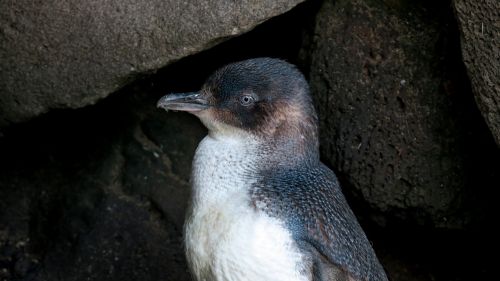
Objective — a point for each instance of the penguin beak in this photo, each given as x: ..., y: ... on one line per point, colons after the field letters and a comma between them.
x: 189, y: 102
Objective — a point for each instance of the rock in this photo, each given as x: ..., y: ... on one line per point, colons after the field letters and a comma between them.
x: 96, y: 194
x: 70, y: 53
x: 393, y: 114
x: 127, y: 241
x: 480, y: 31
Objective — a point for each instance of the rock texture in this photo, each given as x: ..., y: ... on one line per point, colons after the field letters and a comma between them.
x: 97, y: 194
x: 479, y: 23
x: 391, y: 119
x: 71, y: 53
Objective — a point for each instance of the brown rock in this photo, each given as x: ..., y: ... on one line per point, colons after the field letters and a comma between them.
x: 387, y: 119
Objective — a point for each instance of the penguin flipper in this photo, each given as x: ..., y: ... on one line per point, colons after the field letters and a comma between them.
x: 310, y: 203
x: 322, y: 269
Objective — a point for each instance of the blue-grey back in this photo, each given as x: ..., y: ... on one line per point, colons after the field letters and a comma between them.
x: 310, y: 202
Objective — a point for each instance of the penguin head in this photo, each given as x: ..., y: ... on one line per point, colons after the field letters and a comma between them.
x: 263, y: 97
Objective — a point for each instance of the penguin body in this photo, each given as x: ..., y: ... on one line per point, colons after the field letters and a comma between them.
x: 227, y: 238
x: 263, y: 206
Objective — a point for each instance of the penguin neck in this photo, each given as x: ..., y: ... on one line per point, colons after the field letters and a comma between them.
x: 289, y: 152
x: 295, y: 147
x: 292, y: 134
x: 293, y: 142
x: 221, y: 166
x: 227, y: 166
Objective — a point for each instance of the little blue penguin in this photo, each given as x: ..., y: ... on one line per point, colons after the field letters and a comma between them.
x: 263, y: 207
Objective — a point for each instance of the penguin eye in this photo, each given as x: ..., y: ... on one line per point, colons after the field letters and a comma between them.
x: 246, y: 100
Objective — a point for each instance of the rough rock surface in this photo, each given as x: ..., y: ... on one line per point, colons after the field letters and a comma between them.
x: 71, y: 53
x: 392, y: 120
x: 96, y: 194
x: 479, y: 23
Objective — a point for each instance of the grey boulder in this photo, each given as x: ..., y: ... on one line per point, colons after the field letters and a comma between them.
x: 479, y: 23
x: 70, y: 53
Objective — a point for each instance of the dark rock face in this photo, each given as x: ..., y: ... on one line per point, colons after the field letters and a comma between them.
x: 68, y: 54
x: 480, y: 29
x: 97, y: 195
x: 391, y: 119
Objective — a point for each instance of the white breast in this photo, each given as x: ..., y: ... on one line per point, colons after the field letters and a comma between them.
x: 226, y: 238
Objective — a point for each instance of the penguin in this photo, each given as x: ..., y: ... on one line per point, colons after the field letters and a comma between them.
x: 263, y: 207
